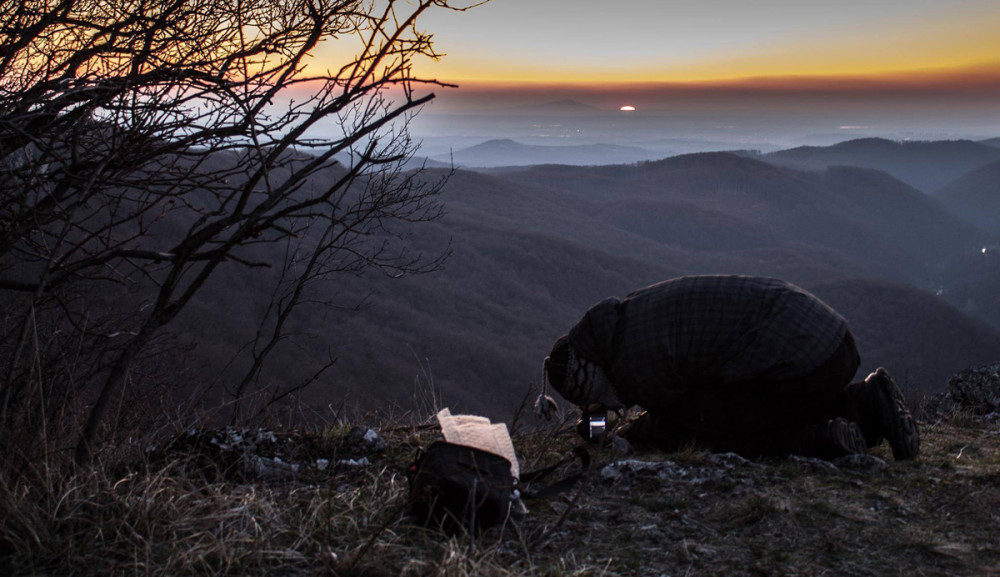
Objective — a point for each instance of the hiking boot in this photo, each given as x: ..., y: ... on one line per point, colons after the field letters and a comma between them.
x: 839, y: 437
x: 888, y: 414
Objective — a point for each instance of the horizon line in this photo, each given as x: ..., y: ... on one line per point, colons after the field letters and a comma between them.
x: 965, y: 79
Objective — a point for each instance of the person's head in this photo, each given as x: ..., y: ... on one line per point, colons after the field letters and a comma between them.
x: 578, y: 380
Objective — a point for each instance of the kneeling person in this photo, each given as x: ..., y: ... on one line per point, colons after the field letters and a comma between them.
x: 751, y: 365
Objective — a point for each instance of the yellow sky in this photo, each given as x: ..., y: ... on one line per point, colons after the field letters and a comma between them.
x: 528, y: 42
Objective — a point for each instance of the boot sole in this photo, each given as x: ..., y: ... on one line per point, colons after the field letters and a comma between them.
x: 842, y: 437
x: 898, y: 426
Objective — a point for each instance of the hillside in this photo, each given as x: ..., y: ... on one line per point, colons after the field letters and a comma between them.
x: 975, y: 196
x: 534, y: 248
x: 974, y: 279
x: 926, y: 166
x: 913, y: 334
x: 975, y: 283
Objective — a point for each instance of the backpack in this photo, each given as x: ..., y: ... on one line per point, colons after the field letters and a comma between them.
x: 458, y: 488
x: 463, y: 489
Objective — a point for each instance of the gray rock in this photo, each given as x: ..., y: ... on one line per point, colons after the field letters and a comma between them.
x: 716, y: 467
x: 867, y: 465
x: 247, y: 454
x: 813, y: 466
x: 268, y: 468
x: 730, y: 461
x: 977, y: 389
x: 362, y: 441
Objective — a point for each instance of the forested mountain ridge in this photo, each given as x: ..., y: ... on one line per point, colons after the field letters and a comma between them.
x: 533, y: 248
x: 877, y: 220
x: 925, y: 165
x: 506, y: 152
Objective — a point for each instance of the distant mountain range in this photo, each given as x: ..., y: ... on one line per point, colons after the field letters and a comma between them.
x: 926, y: 166
x: 509, y: 153
x: 505, y: 152
x: 534, y: 247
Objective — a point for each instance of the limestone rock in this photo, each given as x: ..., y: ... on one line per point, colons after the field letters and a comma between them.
x: 977, y: 389
x: 865, y: 465
x: 714, y: 468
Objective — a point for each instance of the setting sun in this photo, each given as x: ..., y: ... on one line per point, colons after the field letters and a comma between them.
x: 627, y: 108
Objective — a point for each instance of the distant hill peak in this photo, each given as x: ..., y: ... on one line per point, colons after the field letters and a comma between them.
x: 498, y: 143
x: 722, y: 159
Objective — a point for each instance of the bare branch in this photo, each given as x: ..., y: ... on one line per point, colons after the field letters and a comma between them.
x: 146, y: 146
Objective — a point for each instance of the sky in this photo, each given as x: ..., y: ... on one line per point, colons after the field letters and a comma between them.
x: 885, y: 67
x: 629, y: 41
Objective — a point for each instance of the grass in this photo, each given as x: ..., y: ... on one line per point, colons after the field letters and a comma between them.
x: 937, y: 515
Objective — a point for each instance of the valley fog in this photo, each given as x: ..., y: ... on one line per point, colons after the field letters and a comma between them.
x: 667, y: 122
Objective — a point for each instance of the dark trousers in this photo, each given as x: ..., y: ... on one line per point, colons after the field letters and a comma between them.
x: 757, y: 418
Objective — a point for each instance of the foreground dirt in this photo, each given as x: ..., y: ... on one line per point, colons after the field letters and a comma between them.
x: 695, y: 513
x: 719, y: 515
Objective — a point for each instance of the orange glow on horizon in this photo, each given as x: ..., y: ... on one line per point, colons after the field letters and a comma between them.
x: 963, y: 74
x: 916, y: 44
x: 968, y: 79
x: 937, y: 52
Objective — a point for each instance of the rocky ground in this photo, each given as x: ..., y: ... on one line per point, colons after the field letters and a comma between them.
x: 333, y: 502
x: 698, y: 513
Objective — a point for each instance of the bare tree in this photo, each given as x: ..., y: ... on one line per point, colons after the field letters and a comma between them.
x: 144, y: 144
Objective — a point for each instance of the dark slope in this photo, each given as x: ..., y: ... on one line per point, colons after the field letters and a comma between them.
x: 902, y: 214
x: 975, y: 197
x: 975, y: 292
x: 926, y: 166
x: 534, y: 248
x: 973, y: 282
x: 919, y: 338
x: 479, y: 329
